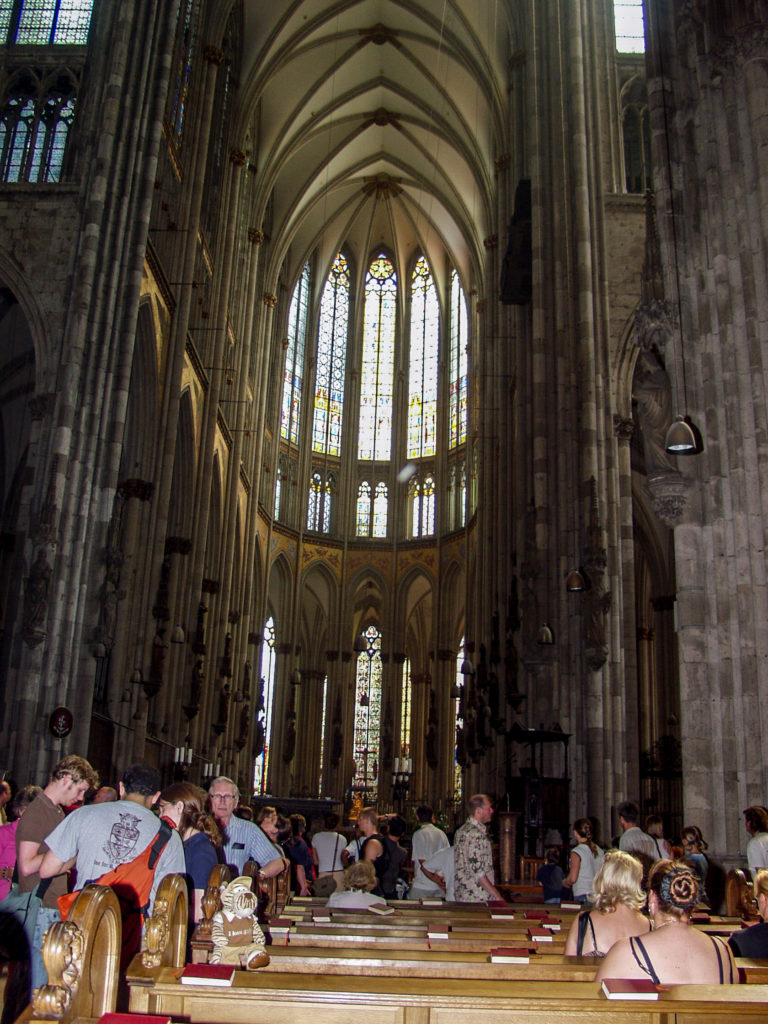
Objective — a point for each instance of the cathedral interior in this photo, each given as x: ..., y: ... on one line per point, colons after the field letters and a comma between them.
x: 339, y: 345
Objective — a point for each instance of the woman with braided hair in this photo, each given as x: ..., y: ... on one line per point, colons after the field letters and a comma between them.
x: 586, y: 858
x: 673, y: 953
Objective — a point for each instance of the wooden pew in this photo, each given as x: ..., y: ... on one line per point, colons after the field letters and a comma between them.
x: 279, y: 997
x: 82, y: 958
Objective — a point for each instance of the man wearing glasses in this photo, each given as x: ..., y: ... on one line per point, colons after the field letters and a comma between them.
x: 242, y: 839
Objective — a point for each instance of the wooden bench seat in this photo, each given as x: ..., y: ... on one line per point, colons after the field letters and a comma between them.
x: 274, y: 998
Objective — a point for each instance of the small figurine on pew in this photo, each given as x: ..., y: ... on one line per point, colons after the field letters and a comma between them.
x: 236, y: 934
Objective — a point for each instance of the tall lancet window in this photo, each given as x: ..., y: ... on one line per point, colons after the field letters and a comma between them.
x: 630, y: 28
x: 319, y: 503
x: 458, y: 360
x: 377, y: 382
x: 294, y: 360
x: 265, y: 694
x: 422, y: 374
x: 367, y: 717
x: 458, y: 724
x: 331, y: 359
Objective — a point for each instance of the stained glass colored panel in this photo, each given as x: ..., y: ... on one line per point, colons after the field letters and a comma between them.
x: 278, y: 492
x: 368, y: 717
x: 428, y: 508
x: 294, y: 359
x: 16, y: 135
x: 323, y: 730
x: 267, y: 680
x: 313, y: 504
x: 377, y: 379
x: 630, y: 28
x: 364, y: 509
x: 422, y: 374
x: 458, y: 409
x: 458, y: 723
x: 380, y: 508
x: 405, y: 710
x: 331, y: 359
x: 42, y: 22
x: 6, y: 7
x: 183, y: 64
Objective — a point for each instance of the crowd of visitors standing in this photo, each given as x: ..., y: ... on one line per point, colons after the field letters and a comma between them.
x: 57, y: 838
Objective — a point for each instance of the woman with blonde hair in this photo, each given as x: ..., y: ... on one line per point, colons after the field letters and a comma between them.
x: 674, y: 953
x: 654, y: 827
x: 617, y: 899
x: 359, y: 880
x: 753, y: 941
x: 586, y: 858
x: 185, y: 805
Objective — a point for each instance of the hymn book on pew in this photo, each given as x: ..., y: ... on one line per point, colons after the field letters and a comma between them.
x: 570, y: 905
x: 510, y: 955
x: 630, y: 988
x: 208, y: 974
x: 502, y: 913
x: 382, y: 910
x: 280, y: 928
x: 540, y: 934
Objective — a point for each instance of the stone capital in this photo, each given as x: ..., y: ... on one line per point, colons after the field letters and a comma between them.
x: 213, y: 54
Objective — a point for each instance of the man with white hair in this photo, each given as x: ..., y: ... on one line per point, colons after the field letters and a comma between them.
x: 243, y: 840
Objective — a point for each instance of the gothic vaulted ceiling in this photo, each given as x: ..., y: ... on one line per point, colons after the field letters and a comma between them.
x: 377, y: 122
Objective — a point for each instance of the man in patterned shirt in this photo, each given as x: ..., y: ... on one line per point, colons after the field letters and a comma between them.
x: 474, y: 881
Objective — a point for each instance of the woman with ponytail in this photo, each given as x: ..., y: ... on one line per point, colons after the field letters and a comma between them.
x: 185, y: 805
x: 674, y: 953
x: 586, y: 858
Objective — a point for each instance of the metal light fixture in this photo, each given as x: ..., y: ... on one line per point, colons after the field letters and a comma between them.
x: 178, y: 636
x: 680, y: 439
x: 544, y: 637
x: 467, y: 668
x: 575, y: 582
x: 360, y: 645
x: 136, y: 676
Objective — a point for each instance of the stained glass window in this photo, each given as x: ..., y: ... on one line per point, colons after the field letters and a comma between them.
x: 33, y: 136
x: 185, y: 46
x: 422, y: 375
x: 294, y: 359
x: 463, y: 495
x: 319, y: 504
x: 405, y: 710
x: 331, y: 359
x: 278, y: 491
x: 422, y: 497
x: 42, y: 22
x: 367, y: 716
x: 323, y: 729
x: 264, y: 717
x: 458, y: 410
x: 364, y: 509
x: 377, y: 380
x: 630, y: 29
x: 459, y: 722
x: 380, y: 508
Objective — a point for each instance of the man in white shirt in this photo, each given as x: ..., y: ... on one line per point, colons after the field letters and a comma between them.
x: 633, y: 839
x: 756, y: 820
x: 427, y: 839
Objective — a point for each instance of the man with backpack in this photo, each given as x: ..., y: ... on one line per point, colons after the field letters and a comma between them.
x: 121, y: 844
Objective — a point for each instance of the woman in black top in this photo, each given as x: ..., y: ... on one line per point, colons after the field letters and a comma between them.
x: 753, y: 941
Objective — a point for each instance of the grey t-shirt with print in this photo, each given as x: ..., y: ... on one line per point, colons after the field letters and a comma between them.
x: 102, y: 836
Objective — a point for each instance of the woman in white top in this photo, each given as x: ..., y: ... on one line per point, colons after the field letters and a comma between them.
x: 586, y: 858
x: 327, y: 848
